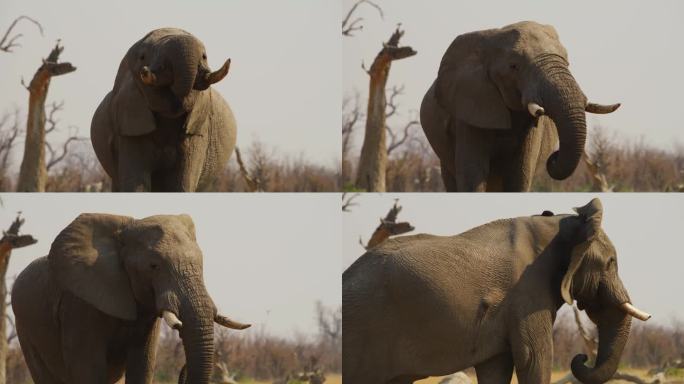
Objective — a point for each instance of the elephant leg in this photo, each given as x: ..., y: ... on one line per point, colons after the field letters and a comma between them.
x: 39, y: 371
x: 135, y: 160
x: 497, y: 370
x: 521, y: 168
x: 188, y: 171
x: 142, y: 355
x: 532, y: 346
x: 471, y: 156
x: 449, y: 179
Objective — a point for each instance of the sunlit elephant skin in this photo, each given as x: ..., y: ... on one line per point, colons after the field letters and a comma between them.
x: 424, y: 305
x: 88, y: 313
x: 503, y: 100
x: 162, y: 127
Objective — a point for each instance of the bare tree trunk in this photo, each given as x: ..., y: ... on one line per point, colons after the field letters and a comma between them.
x: 373, y: 162
x: 33, y: 172
x: 9, y: 241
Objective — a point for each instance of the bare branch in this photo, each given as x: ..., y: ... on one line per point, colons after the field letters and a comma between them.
x: 348, y: 27
x: 50, y: 121
x: 348, y: 202
x: 406, y: 135
x: 7, y: 42
x: 54, y: 158
x: 252, y: 184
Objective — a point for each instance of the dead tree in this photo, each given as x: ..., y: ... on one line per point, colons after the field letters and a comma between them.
x: 253, y: 185
x: 9, y: 132
x: 349, y: 25
x: 388, y: 227
x: 8, y: 42
x: 33, y: 172
x: 405, y: 134
x: 11, y: 239
x: 373, y: 161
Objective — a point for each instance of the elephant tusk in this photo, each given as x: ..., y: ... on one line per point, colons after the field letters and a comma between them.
x: 635, y: 312
x: 218, y: 75
x: 535, y: 109
x: 171, y: 320
x: 601, y: 109
x: 148, y: 77
x: 228, y: 323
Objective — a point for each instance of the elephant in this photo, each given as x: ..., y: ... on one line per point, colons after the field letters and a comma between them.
x: 502, y: 101
x: 89, y: 311
x: 424, y: 305
x: 162, y: 127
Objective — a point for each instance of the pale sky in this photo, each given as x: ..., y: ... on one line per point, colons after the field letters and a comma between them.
x: 625, y: 51
x: 645, y: 228
x: 267, y: 258
x: 284, y: 84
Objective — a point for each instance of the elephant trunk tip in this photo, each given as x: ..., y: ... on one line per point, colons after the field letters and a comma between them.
x: 555, y: 170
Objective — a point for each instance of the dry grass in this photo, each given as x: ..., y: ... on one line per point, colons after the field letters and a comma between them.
x: 555, y: 375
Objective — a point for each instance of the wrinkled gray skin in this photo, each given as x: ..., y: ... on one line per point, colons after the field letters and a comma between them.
x: 424, y: 305
x: 174, y: 134
x: 475, y: 115
x: 89, y: 311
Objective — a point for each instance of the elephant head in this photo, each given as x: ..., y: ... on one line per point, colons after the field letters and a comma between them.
x: 592, y: 279
x: 164, y: 73
x: 131, y: 269
x: 485, y: 75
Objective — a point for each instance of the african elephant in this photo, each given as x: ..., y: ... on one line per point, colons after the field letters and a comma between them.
x: 501, y: 101
x: 424, y: 305
x: 88, y: 311
x: 162, y: 127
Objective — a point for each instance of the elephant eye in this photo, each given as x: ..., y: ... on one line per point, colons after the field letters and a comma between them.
x: 610, y: 262
x: 142, y: 57
x: 204, y: 56
x: 154, y: 266
x: 513, y: 66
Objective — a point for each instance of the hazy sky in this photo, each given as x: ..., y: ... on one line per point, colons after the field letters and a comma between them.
x: 284, y: 83
x: 267, y: 259
x: 646, y: 230
x: 625, y: 51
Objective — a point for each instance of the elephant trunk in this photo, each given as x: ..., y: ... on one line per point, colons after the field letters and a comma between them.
x: 564, y: 102
x: 613, y: 329
x: 197, y: 333
x: 184, y: 61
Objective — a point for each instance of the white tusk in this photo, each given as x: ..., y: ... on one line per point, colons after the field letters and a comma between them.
x: 635, y: 312
x: 230, y: 323
x: 535, y: 109
x: 171, y: 320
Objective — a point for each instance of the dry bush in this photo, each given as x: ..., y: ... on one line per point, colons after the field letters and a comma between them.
x: 251, y: 354
x: 629, y: 166
x: 275, y: 173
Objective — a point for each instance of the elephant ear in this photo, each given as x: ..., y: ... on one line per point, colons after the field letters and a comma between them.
x: 189, y: 224
x: 590, y: 216
x: 84, y: 260
x: 199, y: 117
x: 464, y: 87
x: 132, y: 115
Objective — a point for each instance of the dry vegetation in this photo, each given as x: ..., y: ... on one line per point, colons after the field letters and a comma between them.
x: 252, y: 357
x: 623, y: 165
x: 72, y: 166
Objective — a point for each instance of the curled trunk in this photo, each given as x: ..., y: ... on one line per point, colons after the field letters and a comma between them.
x: 613, y: 328
x: 184, y: 61
x: 564, y: 103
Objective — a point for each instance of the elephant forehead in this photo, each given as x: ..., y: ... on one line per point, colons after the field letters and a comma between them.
x: 533, y: 38
x: 164, y: 32
x: 162, y: 230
